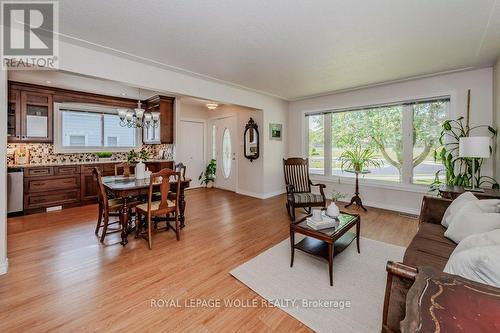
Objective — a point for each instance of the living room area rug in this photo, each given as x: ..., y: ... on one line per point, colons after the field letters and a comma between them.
x: 353, y: 304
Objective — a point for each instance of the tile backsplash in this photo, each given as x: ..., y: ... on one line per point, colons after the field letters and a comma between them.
x: 44, y: 153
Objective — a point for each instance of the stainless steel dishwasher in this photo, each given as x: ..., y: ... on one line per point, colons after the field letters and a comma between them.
x: 15, y: 192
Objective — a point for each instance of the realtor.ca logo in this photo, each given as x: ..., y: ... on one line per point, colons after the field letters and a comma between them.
x: 30, y: 35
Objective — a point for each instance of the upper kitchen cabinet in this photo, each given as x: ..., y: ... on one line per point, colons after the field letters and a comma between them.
x: 14, y: 116
x: 30, y: 114
x: 165, y: 132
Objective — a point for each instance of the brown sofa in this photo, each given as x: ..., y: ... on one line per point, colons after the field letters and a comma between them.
x: 429, y: 247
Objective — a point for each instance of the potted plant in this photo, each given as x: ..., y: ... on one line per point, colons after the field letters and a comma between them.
x: 208, y: 176
x: 140, y: 168
x: 336, y: 196
x: 132, y: 157
x: 104, y: 156
x: 358, y: 160
x: 333, y: 210
x: 458, y: 170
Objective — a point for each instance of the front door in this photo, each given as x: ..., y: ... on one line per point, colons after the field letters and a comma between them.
x: 225, y: 153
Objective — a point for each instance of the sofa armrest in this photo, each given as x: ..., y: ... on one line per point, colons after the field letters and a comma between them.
x: 433, y: 209
x: 400, y: 278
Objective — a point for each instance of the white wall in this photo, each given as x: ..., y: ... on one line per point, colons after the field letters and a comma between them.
x: 455, y: 84
x: 3, y: 173
x: 249, y: 174
x: 81, y: 60
x: 496, y: 113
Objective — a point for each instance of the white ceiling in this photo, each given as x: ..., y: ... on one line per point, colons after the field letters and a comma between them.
x: 295, y: 48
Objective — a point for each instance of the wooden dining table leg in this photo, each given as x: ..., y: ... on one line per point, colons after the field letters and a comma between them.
x: 182, y: 207
x: 124, y: 222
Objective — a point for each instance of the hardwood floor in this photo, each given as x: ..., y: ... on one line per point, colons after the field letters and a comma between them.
x: 62, y: 279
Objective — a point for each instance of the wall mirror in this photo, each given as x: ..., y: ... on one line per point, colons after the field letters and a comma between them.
x: 251, y: 139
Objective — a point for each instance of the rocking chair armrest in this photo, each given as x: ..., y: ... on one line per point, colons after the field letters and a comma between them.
x: 321, y: 187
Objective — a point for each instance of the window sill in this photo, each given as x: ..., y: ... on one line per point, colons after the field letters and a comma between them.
x: 77, y: 150
x: 370, y: 183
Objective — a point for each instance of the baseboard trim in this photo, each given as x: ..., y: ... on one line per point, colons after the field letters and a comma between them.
x: 273, y: 194
x: 4, y: 266
x: 395, y: 208
x: 260, y: 195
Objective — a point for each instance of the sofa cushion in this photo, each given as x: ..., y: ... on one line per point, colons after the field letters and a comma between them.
x: 456, y: 205
x: 429, y: 247
x: 473, y: 218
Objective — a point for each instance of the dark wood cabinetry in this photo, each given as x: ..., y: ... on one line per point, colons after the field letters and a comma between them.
x: 14, y: 116
x: 31, y: 114
x: 36, y: 116
x: 165, y: 106
x: 67, y: 185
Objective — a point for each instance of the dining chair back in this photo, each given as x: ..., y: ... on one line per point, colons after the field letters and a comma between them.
x: 107, y: 207
x: 167, y: 204
x: 122, y: 169
x: 181, y: 168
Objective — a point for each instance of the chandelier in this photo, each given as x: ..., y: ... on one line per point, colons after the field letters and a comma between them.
x: 138, y: 118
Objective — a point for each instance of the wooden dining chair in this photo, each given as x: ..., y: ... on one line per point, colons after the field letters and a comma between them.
x: 165, y: 206
x: 298, y: 187
x: 108, y: 207
x: 122, y: 169
x: 181, y: 168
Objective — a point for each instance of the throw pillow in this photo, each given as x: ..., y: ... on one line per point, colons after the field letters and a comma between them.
x: 472, y: 219
x: 483, y: 239
x: 480, y: 264
x: 456, y: 205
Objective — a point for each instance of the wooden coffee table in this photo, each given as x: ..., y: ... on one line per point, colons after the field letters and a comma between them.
x: 327, y: 242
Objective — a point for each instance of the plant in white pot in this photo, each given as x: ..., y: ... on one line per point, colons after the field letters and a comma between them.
x: 333, y: 210
x: 208, y: 176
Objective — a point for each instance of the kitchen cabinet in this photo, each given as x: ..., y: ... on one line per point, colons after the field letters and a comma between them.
x: 68, y: 185
x: 36, y: 116
x: 165, y: 106
x: 14, y: 116
x: 30, y: 114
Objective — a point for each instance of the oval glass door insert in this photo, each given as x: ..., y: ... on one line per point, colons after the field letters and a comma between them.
x: 226, y: 153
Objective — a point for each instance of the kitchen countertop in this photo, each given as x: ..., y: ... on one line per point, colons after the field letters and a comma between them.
x: 34, y: 165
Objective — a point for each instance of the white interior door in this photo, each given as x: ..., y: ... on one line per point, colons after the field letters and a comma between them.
x: 226, y: 152
x: 191, y: 148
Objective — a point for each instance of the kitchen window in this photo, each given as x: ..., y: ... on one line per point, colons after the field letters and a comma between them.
x: 402, y: 135
x: 90, y: 128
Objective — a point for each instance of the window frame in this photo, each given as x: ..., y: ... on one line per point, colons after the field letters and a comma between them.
x: 406, y: 177
x: 87, y: 108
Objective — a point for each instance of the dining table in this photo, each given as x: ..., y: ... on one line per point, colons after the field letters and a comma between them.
x: 130, y: 187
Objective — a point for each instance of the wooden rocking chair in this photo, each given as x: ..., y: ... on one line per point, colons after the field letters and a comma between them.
x: 298, y: 187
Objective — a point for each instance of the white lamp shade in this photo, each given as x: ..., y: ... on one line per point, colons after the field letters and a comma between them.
x: 474, y: 146
x: 139, y: 113
x: 155, y: 115
x: 122, y: 113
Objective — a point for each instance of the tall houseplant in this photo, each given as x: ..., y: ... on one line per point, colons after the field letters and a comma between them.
x: 358, y: 159
x: 459, y: 169
x: 208, y: 176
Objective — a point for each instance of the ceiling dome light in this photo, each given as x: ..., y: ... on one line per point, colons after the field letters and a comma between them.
x: 212, y: 106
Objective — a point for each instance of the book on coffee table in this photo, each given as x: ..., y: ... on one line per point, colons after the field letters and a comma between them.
x: 325, y: 222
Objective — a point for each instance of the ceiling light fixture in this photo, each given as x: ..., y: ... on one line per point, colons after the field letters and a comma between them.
x: 212, y: 106
x: 138, y: 118
x: 48, y: 81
